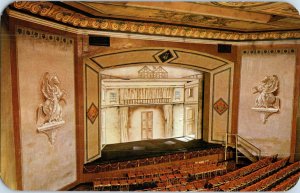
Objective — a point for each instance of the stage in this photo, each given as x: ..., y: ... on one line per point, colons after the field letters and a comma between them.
x: 150, y: 148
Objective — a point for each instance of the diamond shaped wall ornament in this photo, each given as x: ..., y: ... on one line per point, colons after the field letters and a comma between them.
x: 92, y: 113
x: 165, y: 56
x: 220, y: 106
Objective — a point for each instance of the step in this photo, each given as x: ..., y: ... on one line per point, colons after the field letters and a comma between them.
x: 246, y: 153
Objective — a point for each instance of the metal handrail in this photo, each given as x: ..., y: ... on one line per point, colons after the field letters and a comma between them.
x: 249, y: 143
x: 237, y: 139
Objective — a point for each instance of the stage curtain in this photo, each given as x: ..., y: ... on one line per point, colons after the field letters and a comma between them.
x: 124, y: 123
x: 168, y: 114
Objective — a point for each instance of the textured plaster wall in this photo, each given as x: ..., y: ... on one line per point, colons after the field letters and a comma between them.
x: 273, y: 137
x: 8, y: 161
x: 45, y: 166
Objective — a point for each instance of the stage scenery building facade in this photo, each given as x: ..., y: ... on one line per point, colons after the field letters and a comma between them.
x: 150, y: 96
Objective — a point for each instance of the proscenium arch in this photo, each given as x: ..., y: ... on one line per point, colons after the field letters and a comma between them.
x: 155, y: 55
x: 218, y: 80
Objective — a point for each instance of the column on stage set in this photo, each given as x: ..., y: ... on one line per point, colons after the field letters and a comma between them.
x: 124, y: 124
x: 168, y: 114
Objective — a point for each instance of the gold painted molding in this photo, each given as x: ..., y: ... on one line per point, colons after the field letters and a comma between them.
x: 43, y: 36
x: 65, y: 16
x: 269, y: 51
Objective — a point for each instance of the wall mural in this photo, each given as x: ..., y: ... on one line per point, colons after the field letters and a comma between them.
x: 49, y: 113
x: 267, y: 102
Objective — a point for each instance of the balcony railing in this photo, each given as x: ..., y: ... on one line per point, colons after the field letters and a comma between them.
x: 145, y: 101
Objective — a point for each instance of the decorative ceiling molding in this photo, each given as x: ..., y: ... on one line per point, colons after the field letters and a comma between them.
x: 241, y: 4
x: 65, y: 16
x: 273, y: 8
x: 155, y: 56
x: 269, y: 51
x: 27, y: 32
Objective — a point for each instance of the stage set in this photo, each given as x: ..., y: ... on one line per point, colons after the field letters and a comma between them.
x: 150, y: 96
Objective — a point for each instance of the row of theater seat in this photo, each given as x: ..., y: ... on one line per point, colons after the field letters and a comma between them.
x: 153, y: 170
x: 98, y: 168
x: 253, y: 177
x: 157, y: 177
x: 288, y: 183
x: 176, y: 167
x: 262, y: 175
x: 198, y: 185
x: 206, y: 172
x: 217, y: 181
x: 269, y: 181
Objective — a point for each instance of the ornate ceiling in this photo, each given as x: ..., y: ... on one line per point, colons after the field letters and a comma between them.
x: 251, y: 16
x: 207, y: 20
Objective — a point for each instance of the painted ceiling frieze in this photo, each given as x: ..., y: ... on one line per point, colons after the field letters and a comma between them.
x: 241, y: 4
x: 269, y: 51
x: 27, y: 32
x: 57, y: 13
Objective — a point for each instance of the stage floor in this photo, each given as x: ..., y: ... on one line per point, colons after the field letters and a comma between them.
x: 150, y: 148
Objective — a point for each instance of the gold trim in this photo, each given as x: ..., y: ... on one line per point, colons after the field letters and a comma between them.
x: 65, y: 16
x: 269, y: 51
x: 22, y: 31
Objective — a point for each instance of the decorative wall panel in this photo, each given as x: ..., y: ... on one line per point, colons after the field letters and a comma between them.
x: 221, y: 96
x: 274, y: 136
x: 92, y: 106
x: 45, y: 167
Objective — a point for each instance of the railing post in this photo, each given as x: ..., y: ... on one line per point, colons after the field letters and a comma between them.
x: 236, y: 149
x: 225, y: 140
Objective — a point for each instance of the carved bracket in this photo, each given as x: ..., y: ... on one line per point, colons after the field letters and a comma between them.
x: 50, y: 130
x: 266, y: 112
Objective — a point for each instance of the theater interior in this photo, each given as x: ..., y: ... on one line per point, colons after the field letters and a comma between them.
x: 150, y: 96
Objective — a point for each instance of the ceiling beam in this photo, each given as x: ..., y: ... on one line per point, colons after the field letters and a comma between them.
x: 82, y: 7
x: 202, y: 9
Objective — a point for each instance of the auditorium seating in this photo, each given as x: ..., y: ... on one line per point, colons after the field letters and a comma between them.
x: 183, y: 175
x: 288, y: 183
x: 240, y: 172
x: 190, y: 175
x: 269, y: 181
x: 253, y: 177
x: 150, y: 161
